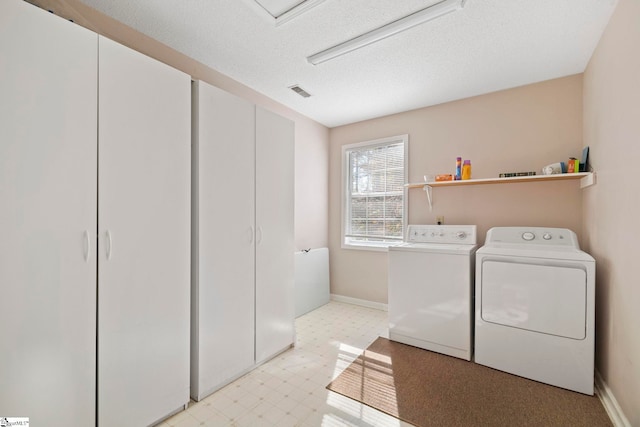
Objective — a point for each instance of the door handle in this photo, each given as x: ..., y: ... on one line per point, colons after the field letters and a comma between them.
x: 108, y: 244
x: 86, y: 246
x: 250, y: 234
x: 259, y: 235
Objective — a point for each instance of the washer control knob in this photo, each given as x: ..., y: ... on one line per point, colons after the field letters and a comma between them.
x: 528, y: 235
x: 461, y: 235
x: 546, y: 236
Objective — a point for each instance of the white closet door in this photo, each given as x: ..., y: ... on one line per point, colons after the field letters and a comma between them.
x: 47, y: 217
x: 274, y: 244
x: 144, y: 254
x: 223, y: 344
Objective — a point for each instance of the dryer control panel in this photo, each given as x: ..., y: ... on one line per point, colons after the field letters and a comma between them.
x: 461, y: 234
x: 559, y: 237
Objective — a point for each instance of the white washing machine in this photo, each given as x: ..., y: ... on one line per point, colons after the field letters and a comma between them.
x: 535, y: 306
x: 431, y: 289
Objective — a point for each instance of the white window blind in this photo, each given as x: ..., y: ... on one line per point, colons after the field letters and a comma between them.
x: 375, y: 205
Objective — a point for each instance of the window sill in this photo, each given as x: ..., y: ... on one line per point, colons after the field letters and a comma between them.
x: 370, y: 246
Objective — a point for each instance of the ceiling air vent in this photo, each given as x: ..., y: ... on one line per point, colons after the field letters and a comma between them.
x: 297, y: 89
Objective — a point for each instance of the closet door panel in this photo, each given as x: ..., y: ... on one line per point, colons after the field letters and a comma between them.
x: 274, y: 244
x: 224, y: 280
x: 144, y: 231
x: 47, y: 217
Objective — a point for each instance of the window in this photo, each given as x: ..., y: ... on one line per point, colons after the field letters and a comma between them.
x: 374, y: 202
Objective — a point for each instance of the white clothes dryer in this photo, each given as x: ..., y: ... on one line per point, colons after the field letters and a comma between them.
x: 535, y: 306
x: 431, y: 289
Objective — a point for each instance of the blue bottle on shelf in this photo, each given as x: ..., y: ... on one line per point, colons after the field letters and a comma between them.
x: 458, y: 174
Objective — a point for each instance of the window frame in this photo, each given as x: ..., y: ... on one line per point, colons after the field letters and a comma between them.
x: 346, y: 192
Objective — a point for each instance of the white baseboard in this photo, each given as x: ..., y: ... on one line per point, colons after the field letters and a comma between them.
x: 360, y: 302
x: 610, y: 403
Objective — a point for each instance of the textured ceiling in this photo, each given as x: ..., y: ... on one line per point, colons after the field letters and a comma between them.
x: 487, y: 46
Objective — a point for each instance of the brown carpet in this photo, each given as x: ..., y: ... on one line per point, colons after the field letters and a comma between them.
x: 430, y: 389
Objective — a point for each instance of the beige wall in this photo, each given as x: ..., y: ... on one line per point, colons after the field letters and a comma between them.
x: 311, y: 157
x: 521, y: 129
x: 612, y: 130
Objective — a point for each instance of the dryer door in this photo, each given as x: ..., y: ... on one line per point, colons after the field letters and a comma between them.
x: 546, y: 298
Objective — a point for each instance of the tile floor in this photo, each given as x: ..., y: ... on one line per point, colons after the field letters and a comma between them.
x: 290, y: 389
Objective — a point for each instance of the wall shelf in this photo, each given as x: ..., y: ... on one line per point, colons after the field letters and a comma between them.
x: 586, y: 179
x: 534, y: 178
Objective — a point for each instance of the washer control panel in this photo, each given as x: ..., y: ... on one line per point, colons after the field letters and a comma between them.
x: 461, y: 234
